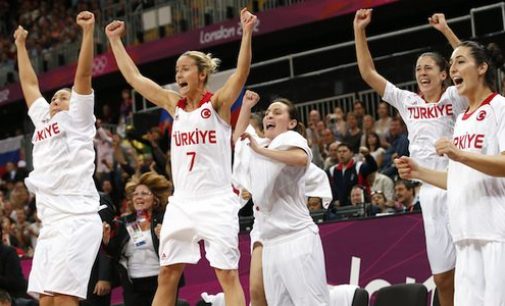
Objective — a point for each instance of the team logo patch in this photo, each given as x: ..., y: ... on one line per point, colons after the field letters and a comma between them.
x: 205, y: 113
x: 482, y: 115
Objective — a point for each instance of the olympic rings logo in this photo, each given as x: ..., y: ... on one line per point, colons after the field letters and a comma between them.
x: 99, y: 64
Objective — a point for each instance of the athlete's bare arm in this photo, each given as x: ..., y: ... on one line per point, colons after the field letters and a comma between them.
x: 493, y: 165
x: 408, y: 169
x: 226, y: 95
x: 365, y: 62
x: 250, y: 99
x: 82, y: 78
x: 293, y: 157
x: 27, y: 76
x: 145, y: 86
x: 439, y: 22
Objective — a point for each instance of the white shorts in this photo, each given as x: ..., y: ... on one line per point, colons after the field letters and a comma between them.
x: 211, y: 219
x: 480, y: 273
x: 65, y: 253
x: 294, y: 271
x: 439, y: 245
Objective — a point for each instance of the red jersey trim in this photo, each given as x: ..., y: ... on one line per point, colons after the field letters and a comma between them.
x: 487, y: 100
x: 438, y: 100
x: 182, y: 103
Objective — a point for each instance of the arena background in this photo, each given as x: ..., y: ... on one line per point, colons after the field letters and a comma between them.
x: 328, y: 72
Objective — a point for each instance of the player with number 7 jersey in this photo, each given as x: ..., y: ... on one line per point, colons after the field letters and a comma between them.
x: 203, y: 206
x: 201, y: 150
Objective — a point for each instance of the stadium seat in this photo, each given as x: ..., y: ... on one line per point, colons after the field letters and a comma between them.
x: 201, y: 302
x: 402, y: 295
x: 360, y: 297
x: 181, y: 302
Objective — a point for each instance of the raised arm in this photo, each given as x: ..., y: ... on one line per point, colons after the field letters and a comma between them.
x: 27, y: 76
x: 365, y: 62
x: 439, y: 22
x: 408, y: 169
x: 250, y: 99
x: 292, y: 157
x: 145, y: 86
x: 493, y: 165
x: 82, y: 79
x: 226, y: 95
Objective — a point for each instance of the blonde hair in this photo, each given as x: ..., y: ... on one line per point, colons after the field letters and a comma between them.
x: 205, y: 62
x: 157, y: 184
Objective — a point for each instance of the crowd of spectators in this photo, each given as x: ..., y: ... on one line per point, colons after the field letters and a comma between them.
x: 51, y: 25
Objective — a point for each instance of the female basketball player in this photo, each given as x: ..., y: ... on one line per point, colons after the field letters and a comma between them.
x: 474, y: 181
x: 203, y: 206
x: 291, y: 268
x: 429, y: 116
x: 62, y: 179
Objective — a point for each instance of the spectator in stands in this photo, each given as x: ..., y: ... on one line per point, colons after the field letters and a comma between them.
x: 332, y: 158
x: 135, y: 248
x: 399, y: 146
x: 475, y: 177
x: 353, y: 134
x: 8, y: 209
x: 314, y: 118
x: 314, y: 138
x: 378, y: 198
x: 373, y: 143
x: 367, y: 128
x: 10, y: 234
x: 11, y: 174
x: 405, y: 195
x: 107, y: 116
x: 104, y: 152
x: 361, y: 197
x: 383, y: 124
x: 192, y: 72
x: 22, y: 226
x: 358, y: 195
x: 62, y: 178
x: 315, y: 204
x: 340, y: 124
x: 327, y: 139
x: 125, y: 109
x: 379, y: 181
x: 19, y: 196
x: 429, y: 115
x: 11, y: 275
x: 359, y: 110
x: 348, y: 173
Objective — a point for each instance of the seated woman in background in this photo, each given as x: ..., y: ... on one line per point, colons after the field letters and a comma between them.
x: 135, y: 247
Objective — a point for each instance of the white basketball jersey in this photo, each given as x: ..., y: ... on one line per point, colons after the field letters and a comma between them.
x: 476, y: 200
x: 201, y: 151
x: 426, y: 122
x: 63, y: 152
x: 279, y: 190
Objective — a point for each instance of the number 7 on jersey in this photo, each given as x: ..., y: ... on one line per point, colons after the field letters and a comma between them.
x: 192, y: 156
